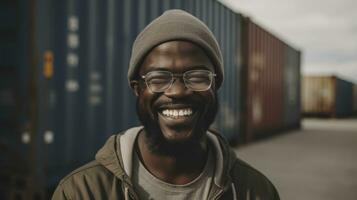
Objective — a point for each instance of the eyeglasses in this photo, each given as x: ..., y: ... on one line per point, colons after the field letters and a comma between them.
x: 196, y: 80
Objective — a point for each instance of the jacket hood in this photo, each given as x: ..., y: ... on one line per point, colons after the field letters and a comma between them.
x: 116, y: 156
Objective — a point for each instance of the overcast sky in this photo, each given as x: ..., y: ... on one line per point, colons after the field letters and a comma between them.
x: 325, y: 30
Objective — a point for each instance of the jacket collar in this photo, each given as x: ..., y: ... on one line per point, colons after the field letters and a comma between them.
x: 116, y: 156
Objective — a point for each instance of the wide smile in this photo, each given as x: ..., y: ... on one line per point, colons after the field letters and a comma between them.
x: 177, y: 113
x: 177, y: 116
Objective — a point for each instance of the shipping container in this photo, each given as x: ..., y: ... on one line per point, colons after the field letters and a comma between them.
x: 344, y: 98
x: 263, y: 80
x: 355, y: 99
x: 328, y: 96
x: 318, y: 95
x: 228, y: 32
x: 291, y: 93
x: 16, y: 103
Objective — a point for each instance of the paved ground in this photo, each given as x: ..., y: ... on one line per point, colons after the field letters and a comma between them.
x: 318, y: 162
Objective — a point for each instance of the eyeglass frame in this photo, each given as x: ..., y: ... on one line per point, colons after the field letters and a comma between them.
x: 179, y: 75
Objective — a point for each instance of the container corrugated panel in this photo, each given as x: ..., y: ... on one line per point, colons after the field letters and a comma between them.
x: 318, y: 95
x: 225, y: 25
x: 13, y: 153
x: 8, y: 29
x: 9, y: 77
x: 9, y: 72
x: 91, y: 96
x: 292, y: 87
x: 230, y: 97
x: 263, y: 76
x: 8, y: 106
x: 344, y: 97
x: 9, y: 140
x: 9, y: 68
x: 43, y: 52
x: 355, y: 99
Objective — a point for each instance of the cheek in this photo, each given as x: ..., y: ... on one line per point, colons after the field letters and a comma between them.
x: 209, y: 97
x: 146, y: 99
x: 210, y: 106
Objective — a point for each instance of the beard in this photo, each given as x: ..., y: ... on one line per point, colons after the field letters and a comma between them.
x: 159, y: 145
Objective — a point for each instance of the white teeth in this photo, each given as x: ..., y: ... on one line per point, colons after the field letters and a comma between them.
x: 177, y: 112
x: 180, y: 113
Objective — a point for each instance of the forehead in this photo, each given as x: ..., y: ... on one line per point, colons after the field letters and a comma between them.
x: 176, y: 56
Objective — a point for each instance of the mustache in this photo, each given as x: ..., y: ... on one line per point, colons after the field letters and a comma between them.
x: 174, y: 101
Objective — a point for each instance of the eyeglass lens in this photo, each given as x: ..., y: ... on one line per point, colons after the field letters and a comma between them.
x: 196, y: 80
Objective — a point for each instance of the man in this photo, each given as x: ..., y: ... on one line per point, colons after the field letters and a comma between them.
x: 175, y: 71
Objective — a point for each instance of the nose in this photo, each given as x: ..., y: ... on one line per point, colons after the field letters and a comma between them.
x: 178, y: 89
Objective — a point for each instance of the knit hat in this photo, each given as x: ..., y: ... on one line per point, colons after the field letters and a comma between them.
x: 176, y: 25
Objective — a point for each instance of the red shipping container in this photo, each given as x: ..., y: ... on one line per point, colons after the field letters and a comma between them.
x: 262, y: 76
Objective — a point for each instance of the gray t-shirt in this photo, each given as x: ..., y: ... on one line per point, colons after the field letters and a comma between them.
x: 150, y: 187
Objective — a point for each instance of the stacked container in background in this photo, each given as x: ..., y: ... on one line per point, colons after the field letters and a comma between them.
x: 318, y: 95
x: 226, y: 27
x: 328, y: 96
x: 355, y: 99
x: 292, y: 88
x: 270, y: 83
x: 344, y: 98
x: 17, y: 102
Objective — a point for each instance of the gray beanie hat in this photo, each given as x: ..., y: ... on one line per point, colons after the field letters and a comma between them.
x: 176, y: 25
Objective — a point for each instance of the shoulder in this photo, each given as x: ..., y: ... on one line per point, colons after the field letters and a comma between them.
x: 248, y: 182
x: 251, y: 182
x: 91, y: 169
x: 90, y: 180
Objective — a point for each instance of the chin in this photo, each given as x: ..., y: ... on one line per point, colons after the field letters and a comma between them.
x: 178, y: 135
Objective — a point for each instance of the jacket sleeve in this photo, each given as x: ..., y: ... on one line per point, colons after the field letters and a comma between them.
x: 251, y: 184
x: 59, y: 194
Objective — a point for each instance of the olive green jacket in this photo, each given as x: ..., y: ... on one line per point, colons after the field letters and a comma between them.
x: 108, y: 176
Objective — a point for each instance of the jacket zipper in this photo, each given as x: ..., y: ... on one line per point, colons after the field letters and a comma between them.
x: 219, y: 194
x: 125, y: 186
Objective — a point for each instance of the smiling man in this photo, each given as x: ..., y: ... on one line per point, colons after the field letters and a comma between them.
x: 175, y: 70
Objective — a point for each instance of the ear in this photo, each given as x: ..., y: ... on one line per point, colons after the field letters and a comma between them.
x: 134, y: 84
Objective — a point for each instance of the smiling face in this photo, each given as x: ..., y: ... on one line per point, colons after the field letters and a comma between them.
x: 178, y: 115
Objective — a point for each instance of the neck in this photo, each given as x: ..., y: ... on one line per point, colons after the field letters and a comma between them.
x: 176, y: 168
